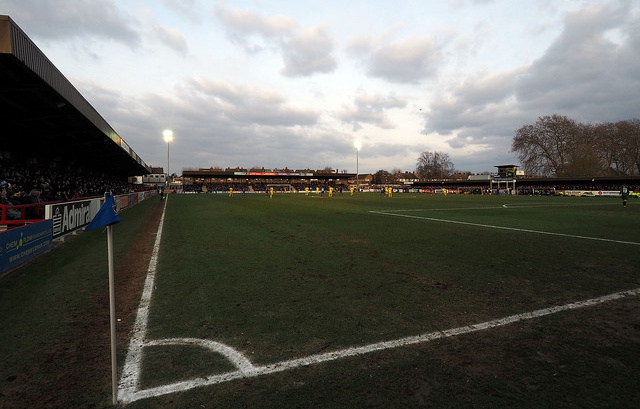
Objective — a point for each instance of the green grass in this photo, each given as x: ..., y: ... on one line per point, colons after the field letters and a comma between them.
x: 294, y: 276
x: 254, y: 270
x: 289, y: 277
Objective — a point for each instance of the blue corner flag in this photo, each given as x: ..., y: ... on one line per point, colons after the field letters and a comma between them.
x: 106, y: 216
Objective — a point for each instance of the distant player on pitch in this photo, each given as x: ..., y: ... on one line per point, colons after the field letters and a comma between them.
x: 624, y: 194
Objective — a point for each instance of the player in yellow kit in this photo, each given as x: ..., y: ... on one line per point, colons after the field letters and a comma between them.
x: 230, y: 192
x: 271, y: 193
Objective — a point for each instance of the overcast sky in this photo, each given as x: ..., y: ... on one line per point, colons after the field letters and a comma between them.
x: 296, y: 82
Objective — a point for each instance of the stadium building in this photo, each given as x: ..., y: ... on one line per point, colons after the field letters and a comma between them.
x: 46, y: 120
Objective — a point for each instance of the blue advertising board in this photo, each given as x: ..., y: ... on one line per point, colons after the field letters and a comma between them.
x: 20, y: 245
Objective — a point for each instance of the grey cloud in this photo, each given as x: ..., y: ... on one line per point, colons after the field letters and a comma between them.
x: 244, y: 105
x: 171, y: 38
x: 580, y: 56
x: 188, y: 8
x: 216, y: 123
x: 74, y: 19
x: 309, y: 52
x: 209, y: 128
x: 461, y: 3
x: 490, y: 88
x: 268, y: 146
x: 582, y: 75
x: 305, y: 51
x: 480, y: 104
x: 245, y: 22
x: 243, y: 26
x: 371, y: 109
x: 383, y: 150
x: 586, y: 75
x: 408, y: 61
x: 359, y: 46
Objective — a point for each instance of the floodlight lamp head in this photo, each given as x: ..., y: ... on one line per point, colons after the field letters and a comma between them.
x: 357, y: 145
x: 167, y: 134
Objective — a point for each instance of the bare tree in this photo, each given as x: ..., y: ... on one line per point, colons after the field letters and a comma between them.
x: 584, y: 155
x: 609, y: 144
x: 629, y: 135
x: 556, y: 145
x: 382, y: 177
x: 434, y: 165
x: 544, y: 148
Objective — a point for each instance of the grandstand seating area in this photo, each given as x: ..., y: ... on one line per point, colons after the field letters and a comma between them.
x: 24, y: 190
x: 259, y: 186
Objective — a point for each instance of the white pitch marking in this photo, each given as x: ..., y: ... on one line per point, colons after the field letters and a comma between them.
x: 249, y: 370
x: 235, y: 357
x: 490, y: 226
x: 507, y: 205
x: 130, y: 378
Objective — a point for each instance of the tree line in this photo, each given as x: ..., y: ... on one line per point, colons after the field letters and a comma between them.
x: 430, y: 165
x: 560, y: 146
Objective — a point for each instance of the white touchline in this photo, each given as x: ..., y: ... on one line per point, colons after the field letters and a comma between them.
x: 130, y: 378
x: 128, y: 387
x: 490, y: 226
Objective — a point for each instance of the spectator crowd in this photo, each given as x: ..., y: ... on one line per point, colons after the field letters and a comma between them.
x: 33, y: 184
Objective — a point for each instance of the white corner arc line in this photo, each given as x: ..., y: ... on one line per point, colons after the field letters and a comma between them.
x: 235, y: 357
x: 490, y: 226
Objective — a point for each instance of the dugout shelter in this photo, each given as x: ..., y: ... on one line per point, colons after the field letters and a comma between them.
x: 506, y: 174
x: 44, y: 116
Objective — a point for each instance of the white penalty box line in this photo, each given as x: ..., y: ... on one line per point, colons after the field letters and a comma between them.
x: 129, y: 386
x: 400, y: 213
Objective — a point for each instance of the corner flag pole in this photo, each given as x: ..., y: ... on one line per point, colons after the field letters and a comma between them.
x: 107, y: 216
x: 112, y: 317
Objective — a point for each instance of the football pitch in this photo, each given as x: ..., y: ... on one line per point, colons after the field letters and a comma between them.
x: 407, y: 301
x: 247, y: 287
